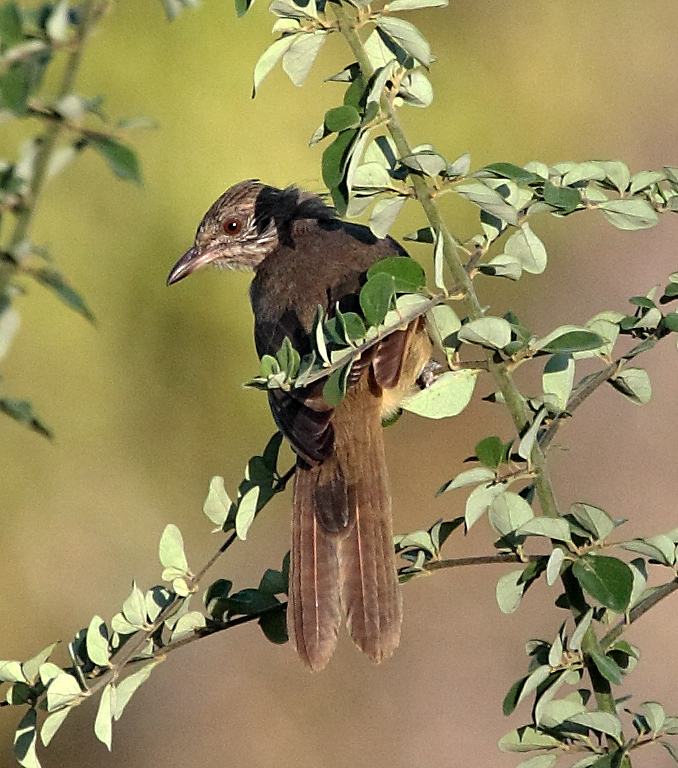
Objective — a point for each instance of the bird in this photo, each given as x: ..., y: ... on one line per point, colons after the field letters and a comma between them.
x: 342, y: 563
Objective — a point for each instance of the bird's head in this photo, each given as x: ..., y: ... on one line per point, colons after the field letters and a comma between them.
x: 245, y: 224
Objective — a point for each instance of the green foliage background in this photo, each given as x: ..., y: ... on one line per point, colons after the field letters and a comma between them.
x: 148, y: 406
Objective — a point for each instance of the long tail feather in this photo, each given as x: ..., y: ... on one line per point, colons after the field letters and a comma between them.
x: 370, y: 593
x: 314, y: 612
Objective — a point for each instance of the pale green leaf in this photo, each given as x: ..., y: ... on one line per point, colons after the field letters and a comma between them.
x: 127, y: 687
x: 408, y: 37
x: 384, y: 214
x: 97, y: 642
x: 630, y: 213
x: 218, y: 504
x: 449, y: 394
x: 270, y: 57
x: 509, y: 593
x: 247, y: 509
x: 63, y: 690
x: 558, y: 378
x: 489, y: 332
x: 25, y: 739
x: 103, y: 723
x: 468, y: 477
x: 528, y: 249
x: 52, y: 724
x: 171, y: 549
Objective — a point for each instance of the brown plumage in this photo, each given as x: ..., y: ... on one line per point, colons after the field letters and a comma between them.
x: 342, y: 561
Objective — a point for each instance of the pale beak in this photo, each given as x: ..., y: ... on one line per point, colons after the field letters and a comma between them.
x: 193, y: 259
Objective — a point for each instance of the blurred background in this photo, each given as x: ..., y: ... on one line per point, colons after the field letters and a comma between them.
x: 149, y: 405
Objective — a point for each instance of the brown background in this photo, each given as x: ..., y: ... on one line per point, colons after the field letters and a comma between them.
x: 147, y: 407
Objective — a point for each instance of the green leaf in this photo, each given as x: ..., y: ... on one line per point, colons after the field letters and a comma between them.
x: 248, y: 602
x: 299, y: 57
x: 62, y: 691
x: 654, y: 714
x: 11, y: 31
x: 671, y: 322
x: 508, y: 512
x: 352, y: 326
x: 384, y: 213
x: 269, y: 58
x: 22, y: 411
x: 52, y: 724
x: 527, y: 739
x: 103, y: 723
x: 489, y: 332
x: 127, y: 687
x: 607, y: 667
x: 11, y: 672
x: 590, y: 171
x: 660, y: 548
x: 171, y: 551
x: 601, y: 722
x: 416, y: 90
x: 340, y: 118
x: 288, y: 358
x: 25, y: 740
x: 134, y: 607
x: 97, y: 642
x: 121, y: 159
x: 466, y: 478
x: 554, y: 565
x: 617, y: 173
x: 510, y: 171
x: 528, y: 249
x: 157, y: 599
x: 568, y: 339
x: 426, y: 162
x: 479, y: 500
x: 334, y: 389
x: 630, y: 213
x: 593, y: 519
x: 247, y: 510
x: 528, y: 440
x: 336, y: 156
x: 218, y: 504
x: 565, y: 199
x: 274, y: 627
x: 558, y: 378
x: 408, y: 37
x: 633, y: 383
x: 449, y: 394
x: 57, y: 283
x: 31, y: 668
x: 370, y: 176
x: 550, y: 527
x: 408, y: 276
x: 578, y: 634
x: 187, y: 624
x: 606, y: 579
x: 509, y: 593
x: 491, y: 452
x: 502, y: 266
x: 443, y: 323
x: 376, y: 297
x: 670, y: 748
x: 488, y: 199
x: 15, y: 87
x: 644, y: 179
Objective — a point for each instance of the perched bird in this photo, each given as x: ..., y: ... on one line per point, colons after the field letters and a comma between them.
x: 303, y: 255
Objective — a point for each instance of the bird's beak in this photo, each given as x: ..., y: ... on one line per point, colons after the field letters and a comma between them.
x: 193, y: 259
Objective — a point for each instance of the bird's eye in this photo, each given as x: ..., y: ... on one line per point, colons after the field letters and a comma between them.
x: 232, y: 226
